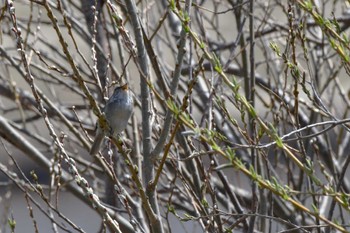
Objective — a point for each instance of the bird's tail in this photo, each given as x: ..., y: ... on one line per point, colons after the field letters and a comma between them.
x: 97, y: 144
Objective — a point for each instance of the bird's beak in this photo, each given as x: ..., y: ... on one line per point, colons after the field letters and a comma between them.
x: 124, y: 87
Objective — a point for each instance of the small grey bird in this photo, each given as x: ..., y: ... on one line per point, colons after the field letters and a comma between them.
x: 118, y: 110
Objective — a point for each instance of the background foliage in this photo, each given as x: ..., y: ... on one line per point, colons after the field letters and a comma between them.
x: 240, y: 123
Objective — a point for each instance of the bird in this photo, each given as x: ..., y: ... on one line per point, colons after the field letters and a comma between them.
x: 118, y: 111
